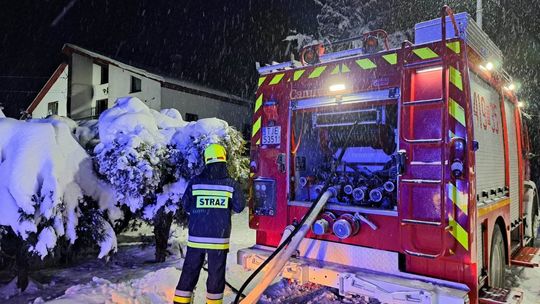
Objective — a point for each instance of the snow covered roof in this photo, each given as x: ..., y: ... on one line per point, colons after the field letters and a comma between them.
x: 168, y: 82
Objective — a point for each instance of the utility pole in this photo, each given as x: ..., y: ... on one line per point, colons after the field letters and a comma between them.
x: 479, y: 13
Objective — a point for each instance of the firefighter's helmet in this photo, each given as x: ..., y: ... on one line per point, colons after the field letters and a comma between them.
x: 215, y: 153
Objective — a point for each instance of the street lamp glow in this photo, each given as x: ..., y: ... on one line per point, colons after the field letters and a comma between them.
x: 489, y: 66
x: 521, y: 104
x: 337, y: 87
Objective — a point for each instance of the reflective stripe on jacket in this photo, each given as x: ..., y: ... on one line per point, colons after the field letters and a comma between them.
x: 210, y: 200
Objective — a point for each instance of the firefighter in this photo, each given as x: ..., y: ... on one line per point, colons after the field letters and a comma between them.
x: 209, y: 200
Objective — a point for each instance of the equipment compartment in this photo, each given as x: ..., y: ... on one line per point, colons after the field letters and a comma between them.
x: 366, y: 176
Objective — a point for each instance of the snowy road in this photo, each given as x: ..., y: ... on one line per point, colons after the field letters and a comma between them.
x: 129, y: 279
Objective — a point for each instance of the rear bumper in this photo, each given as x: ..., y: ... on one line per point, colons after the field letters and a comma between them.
x: 386, y: 287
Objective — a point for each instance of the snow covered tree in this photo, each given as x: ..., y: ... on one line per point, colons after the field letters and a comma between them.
x: 44, y: 177
x: 148, y: 157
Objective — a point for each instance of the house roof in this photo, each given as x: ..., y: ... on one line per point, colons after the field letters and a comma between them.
x: 46, y: 88
x: 168, y: 82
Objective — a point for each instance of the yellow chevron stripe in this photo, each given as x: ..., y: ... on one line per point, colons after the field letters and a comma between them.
x: 317, y: 72
x: 460, y: 234
x: 345, y: 68
x: 366, y: 64
x: 258, y: 103
x: 458, y: 198
x: 258, y: 141
x: 256, y: 127
x: 454, y: 46
x: 390, y: 58
x: 298, y: 74
x: 335, y: 70
x: 451, y: 134
x: 425, y: 53
x: 261, y: 80
x: 455, y: 78
x: 276, y: 79
x: 456, y: 111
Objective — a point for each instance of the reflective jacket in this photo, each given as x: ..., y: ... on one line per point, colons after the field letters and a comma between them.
x: 210, y: 199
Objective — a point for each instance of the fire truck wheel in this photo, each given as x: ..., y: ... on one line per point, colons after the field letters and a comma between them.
x: 497, y: 259
x: 535, y: 223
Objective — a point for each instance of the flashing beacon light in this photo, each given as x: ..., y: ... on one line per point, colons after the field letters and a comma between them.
x: 270, y: 110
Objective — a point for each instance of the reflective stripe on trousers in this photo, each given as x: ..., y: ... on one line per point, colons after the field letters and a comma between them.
x: 208, y: 242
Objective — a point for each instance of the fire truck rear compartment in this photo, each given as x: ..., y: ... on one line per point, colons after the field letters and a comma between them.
x: 366, y: 176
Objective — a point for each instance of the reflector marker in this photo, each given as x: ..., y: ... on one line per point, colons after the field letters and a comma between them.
x: 454, y: 46
x: 366, y: 63
x: 298, y: 74
x: 455, y: 77
x: 277, y: 78
x: 459, y: 233
x: 258, y: 103
x: 425, y: 53
x: 261, y: 80
x: 317, y: 72
x: 456, y: 111
x: 256, y: 127
x: 458, y: 198
x: 390, y: 58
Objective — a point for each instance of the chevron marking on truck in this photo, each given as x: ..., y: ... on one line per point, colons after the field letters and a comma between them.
x: 454, y: 46
x: 261, y: 80
x: 317, y: 72
x: 390, y: 58
x: 257, y: 120
x: 456, y: 111
x: 458, y: 198
x: 460, y: 234
x: 425, y: 53
x: 366, y: 64
x: 276, y: 79
x: 455, y: 78
x: 298, y: 74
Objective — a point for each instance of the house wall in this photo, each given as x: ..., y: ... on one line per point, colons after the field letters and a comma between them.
x: 205, y: 107
x: 81, y: 86
x: 120, y: 85
x: 57, y: 93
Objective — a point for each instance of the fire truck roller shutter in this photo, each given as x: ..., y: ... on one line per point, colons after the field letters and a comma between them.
x: 488, y: 132
x: 513, y: 159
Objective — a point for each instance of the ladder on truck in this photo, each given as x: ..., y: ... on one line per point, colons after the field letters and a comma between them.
x: 423, y: 213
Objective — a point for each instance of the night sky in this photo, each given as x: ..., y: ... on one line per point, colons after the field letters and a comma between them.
x: 211, y: 42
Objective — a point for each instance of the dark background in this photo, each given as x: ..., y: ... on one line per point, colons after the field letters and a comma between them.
x: 211, y: 42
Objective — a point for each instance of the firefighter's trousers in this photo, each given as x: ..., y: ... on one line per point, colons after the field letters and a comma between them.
x: 215, y: 284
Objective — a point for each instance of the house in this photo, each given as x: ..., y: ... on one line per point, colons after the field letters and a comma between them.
x: 89, y: 83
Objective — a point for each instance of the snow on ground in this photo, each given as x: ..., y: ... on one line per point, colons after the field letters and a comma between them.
x: 128, y: 278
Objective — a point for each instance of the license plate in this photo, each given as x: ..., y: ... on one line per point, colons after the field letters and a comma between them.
x: 271, y: 135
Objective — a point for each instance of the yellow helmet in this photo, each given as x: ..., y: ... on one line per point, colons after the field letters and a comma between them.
x: 214, y: 153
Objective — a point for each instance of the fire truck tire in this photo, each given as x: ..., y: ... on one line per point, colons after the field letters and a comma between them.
x: 497, y: 259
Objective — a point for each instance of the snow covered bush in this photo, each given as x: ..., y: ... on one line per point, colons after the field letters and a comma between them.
x: 44, y: 176
x: 148, y: 157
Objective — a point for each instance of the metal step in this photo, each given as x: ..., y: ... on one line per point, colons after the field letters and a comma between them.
x: 527, y: 257
x: 492, y: 295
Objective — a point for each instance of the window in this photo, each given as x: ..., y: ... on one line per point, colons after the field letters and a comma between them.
x: 104, y: 74
x: 101, y: 106
x: 52, y: 108
x: 135, y: 85
x: 191, y: 117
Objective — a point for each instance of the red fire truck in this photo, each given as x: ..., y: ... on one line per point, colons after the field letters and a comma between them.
x: 429, y: 199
